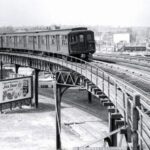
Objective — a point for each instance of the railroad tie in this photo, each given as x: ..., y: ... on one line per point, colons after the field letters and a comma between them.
x: 99, y: 92
x: 111, y: 110
x: 102, y: 96
x: 104, y: 100
x: 106, y: 104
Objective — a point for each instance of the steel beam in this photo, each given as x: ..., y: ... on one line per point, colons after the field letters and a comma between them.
x: 57, y: 97
x: 135, y: 122
x: 112, y: 126
x: 16, y: 68
x: 36, y: 88
x: 89, y: 97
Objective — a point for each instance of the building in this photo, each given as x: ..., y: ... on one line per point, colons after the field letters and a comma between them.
x: 121, y: 37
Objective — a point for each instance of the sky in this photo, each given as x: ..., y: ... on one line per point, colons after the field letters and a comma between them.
x: 75, y: 12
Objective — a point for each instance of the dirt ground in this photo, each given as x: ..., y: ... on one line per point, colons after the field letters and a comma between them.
x: 34, y: 129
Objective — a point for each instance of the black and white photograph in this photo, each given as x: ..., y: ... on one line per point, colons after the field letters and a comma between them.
x: 75, y: 75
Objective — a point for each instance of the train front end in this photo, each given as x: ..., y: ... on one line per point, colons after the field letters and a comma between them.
x: 81, y: 43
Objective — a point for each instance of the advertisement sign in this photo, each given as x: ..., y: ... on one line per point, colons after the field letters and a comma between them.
x: 15, y: 89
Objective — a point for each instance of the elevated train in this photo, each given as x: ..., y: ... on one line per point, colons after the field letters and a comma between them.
x: 77, y: 42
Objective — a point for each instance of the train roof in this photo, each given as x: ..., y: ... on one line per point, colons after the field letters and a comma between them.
x: 56, y: 30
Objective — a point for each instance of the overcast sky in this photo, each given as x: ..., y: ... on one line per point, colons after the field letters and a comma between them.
x: 75, y: 12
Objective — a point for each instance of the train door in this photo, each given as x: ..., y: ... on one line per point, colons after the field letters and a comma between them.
x: 81, y: 41
x: 57, y: 42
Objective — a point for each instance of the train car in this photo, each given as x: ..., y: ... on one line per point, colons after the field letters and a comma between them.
x: 78, y: 42
x: 134, y: 48
x: 0, y: 41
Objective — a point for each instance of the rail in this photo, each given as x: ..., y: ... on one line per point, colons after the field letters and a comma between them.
x: 138, y: 60
x: 121, y: 94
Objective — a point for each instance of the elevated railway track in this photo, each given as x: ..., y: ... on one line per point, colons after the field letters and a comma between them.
x: 137, y: 77
x: 134, y: 60
x: 124, y: 101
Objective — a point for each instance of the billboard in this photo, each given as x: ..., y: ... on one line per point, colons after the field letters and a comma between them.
x: 118, y: 37
x: 15, y: 89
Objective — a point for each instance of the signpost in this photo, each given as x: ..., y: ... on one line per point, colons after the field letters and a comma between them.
x: 16, y: 90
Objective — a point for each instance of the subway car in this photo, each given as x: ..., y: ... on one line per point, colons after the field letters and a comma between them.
x: 77, y: 42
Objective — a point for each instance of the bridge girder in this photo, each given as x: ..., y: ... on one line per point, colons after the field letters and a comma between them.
x: 94, y: 81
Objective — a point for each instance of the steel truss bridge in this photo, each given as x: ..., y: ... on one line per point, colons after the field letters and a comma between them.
x: 126, y: 105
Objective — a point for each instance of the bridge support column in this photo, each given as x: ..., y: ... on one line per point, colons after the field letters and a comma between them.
x: 16, y: 68
x: 89, y: 97
x: 1, y: 71
x: 135, y: 119
x: 36, y: 83
x: 57, y: 97
x: 113, y: 126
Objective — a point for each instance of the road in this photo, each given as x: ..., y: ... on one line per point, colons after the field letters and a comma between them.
x: 34, y: 129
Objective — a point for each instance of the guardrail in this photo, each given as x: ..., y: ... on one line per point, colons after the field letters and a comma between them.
x: 129, y: 101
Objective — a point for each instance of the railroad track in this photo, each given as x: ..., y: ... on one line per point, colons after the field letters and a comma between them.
x: 126, y: 73
x: 124, y: 56
x: 137, y: 60
x: 139, y: 79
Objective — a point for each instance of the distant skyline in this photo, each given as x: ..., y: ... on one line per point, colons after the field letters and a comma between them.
x: 116, y: 13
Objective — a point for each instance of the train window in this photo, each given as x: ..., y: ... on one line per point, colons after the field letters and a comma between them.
x: 81, y: 38
x: 10, y: 40
x: 7, y: 40
x: 15, y: 41
x: 42, y: 40
x: 47, y: 42
x: 4, y: 40
x: 89, y: 37
x: 53, y: 39
x: 20, y: 40
x: 30, y: 39
x: 73, y: 38
x: 24, y: 41
x: 35, y: 39
x: 39, y: 43
x: 64, y: 39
